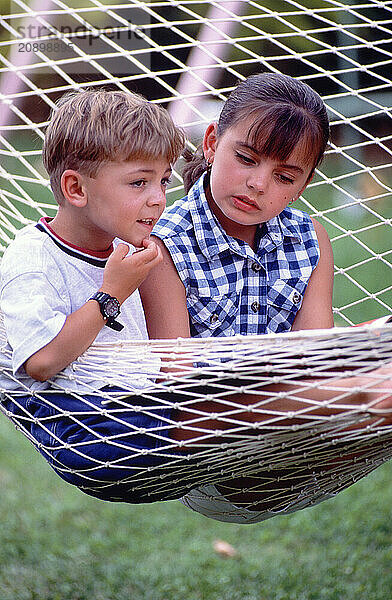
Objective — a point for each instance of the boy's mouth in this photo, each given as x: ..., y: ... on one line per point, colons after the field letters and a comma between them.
x: 149, y: 222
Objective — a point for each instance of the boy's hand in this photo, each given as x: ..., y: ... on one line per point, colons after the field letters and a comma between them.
x: 123, y: 274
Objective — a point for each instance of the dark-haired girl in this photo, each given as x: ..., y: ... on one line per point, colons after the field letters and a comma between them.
x: 239, y: 259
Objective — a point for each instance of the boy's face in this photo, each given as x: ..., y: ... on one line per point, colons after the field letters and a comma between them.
x: 125, y: 200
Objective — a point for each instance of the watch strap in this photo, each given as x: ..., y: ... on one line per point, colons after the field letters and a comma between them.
x: 113, y: 324
x: 101, y: 298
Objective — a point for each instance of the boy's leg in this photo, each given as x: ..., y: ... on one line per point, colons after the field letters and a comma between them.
x: 108, y: 451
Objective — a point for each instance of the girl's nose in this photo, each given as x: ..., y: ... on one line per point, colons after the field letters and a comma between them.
x: 258, y: 180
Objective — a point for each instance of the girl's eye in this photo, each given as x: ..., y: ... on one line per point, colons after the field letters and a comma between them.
x: 285, y: 179
x: 245, y: 159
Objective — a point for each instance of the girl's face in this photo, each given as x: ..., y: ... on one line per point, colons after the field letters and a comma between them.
x: 246, y: 187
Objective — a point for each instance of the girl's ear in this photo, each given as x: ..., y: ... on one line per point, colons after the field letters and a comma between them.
x: 73, y: 188
x: 209, y: 142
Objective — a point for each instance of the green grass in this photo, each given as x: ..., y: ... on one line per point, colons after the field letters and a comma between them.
x: 59, y: 544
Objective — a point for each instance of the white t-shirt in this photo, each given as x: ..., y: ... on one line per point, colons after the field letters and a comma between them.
x: 43, y: 280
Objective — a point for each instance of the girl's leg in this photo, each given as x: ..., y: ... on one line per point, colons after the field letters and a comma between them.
x: 207, y: 423
x: 286, y: 404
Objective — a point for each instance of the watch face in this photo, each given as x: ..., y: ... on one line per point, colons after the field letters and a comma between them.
x: 112, y: 307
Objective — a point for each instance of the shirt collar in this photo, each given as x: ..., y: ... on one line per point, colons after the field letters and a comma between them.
x: 282, y: 226
x: 209, y: 234
x: 213, y: 240
x: 97, y: 258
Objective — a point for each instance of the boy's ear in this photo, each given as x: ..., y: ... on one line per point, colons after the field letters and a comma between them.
x: 73, y: 188
x: 209, y: 141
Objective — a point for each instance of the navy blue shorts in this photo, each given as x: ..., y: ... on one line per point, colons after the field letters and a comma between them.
x: 104, y: 454
x: 123, y: 455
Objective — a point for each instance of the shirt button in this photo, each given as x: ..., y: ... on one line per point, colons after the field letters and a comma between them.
x: 256, y: 267
x: 255, y: 306
x: 296, y: 298
x: 213, y: 318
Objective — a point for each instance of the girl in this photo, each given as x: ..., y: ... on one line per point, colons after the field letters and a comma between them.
x: 237, y: 258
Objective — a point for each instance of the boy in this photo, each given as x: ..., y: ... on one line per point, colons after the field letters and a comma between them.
x: 69, y: 281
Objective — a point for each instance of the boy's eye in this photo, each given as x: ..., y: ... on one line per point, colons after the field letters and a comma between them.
x: 138, y: 183
x: 165, y: 181
x: 244, y: 158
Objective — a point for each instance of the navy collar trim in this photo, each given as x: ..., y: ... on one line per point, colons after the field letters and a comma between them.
x: 73, y: 251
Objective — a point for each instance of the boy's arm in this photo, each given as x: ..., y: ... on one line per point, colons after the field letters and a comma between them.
x: 77, y: 334
x: 316, y: 309
x: 122, y: 276
x: 164, y: 300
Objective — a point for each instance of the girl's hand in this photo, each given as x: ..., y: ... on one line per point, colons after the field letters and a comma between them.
x: 124, y: 273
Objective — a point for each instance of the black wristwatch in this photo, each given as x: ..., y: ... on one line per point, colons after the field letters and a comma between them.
x: 110, y: 309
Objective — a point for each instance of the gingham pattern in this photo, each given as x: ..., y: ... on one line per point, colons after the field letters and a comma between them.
x: 230, y: 288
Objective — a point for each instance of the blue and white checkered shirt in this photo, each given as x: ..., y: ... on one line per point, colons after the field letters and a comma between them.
x: 230, y: 288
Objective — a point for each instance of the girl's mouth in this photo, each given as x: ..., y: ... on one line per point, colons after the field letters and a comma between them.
x: 244, y: 203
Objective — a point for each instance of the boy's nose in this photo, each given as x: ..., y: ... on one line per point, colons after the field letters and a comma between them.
x: 157, y: 197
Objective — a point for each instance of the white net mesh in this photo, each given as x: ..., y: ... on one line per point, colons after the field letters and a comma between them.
x: 247, y: 456
x: 188, y: 56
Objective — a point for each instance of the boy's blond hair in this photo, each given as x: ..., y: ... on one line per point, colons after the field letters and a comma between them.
x: 91, y: 127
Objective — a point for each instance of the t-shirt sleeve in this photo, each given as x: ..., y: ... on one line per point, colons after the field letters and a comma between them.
x: 34, y: 313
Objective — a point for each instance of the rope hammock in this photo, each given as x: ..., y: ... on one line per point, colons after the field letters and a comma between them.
x: 282, y: 466
x: 189, y: 56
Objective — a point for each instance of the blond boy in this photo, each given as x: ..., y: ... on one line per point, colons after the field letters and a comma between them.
x: 73, y: 279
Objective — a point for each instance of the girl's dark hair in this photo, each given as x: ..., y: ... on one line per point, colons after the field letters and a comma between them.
x: 286, y: 111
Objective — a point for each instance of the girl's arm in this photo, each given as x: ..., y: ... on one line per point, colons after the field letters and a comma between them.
x: 316, y: 309
x: 164, y: 300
